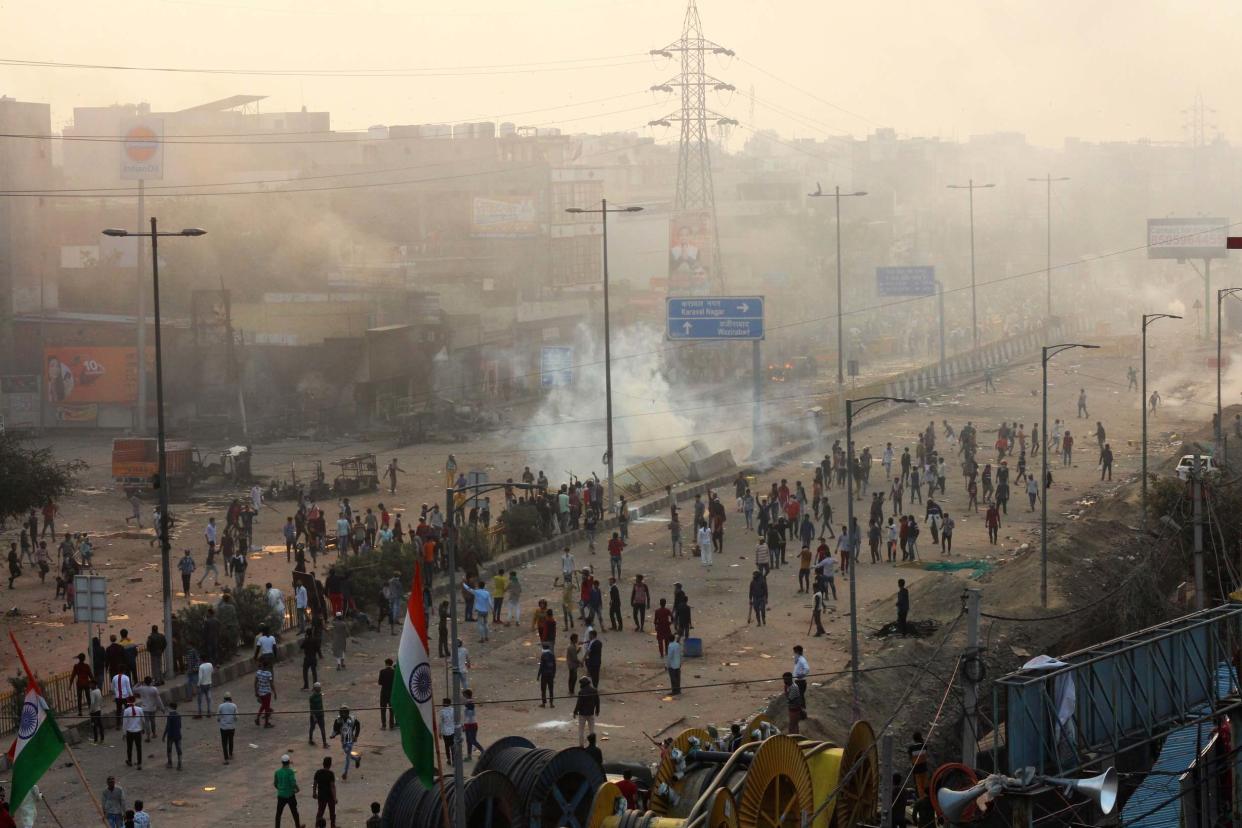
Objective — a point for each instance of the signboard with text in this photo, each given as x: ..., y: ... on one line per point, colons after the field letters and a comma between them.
x: 142, y: 149
x: 715, y: 317
x: 1187, y: 238
x: 918, y: 280
x: 81, y: 374
x: 504, y: 217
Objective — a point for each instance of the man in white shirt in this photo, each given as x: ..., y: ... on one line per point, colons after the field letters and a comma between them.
x: 300, y: 602
x: 265, y: 647
x: 827, y: 569
x: 205, y: 672
x: 227, y: 718
x: 150, y: 702
x: 342, y: 535
x: 705, y: 544
x: 672, y: 661
x: 132, y: 719
x: 801, y: 669
x: 210, y: 534
x: 567, y: 566
x: 122, y: 689
x: 448, y: 727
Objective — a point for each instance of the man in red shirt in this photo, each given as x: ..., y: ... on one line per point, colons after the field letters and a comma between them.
x: 629, y: 790
x: 663, y: 626
x: 614, y: 554
x: 83, y: 680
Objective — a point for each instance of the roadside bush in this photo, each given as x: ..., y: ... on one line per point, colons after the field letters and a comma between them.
x: 369, y: 573
x: 189, y: 624
x: 521, y: 522
x: 254, y: 613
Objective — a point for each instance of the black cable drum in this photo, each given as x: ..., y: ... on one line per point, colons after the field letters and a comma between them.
x: 490, y: 802
x: 552, y: 786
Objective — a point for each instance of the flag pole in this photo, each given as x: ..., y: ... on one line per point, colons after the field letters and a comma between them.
x: 435, y: 733
x: 51, y: 813
x: 82, y: 776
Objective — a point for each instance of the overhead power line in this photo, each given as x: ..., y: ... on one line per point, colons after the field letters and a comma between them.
x: 567, y: 65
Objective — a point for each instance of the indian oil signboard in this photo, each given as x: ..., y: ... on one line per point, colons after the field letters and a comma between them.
x: 142, y: 149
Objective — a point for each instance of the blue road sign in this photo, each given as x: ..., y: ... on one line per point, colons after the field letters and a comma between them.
x: 715, y: 317
x: 905, y: 281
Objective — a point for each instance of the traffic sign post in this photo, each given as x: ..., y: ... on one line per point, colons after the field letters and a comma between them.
x: 90, y: 603
x: 905, y: 281
x: 715, y: 318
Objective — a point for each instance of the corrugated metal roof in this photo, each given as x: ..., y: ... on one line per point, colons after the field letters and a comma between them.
x: 1154, y: 804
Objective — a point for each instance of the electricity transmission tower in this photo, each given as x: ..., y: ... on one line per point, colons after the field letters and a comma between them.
x: 694, y: 168
x: 1199, y: 126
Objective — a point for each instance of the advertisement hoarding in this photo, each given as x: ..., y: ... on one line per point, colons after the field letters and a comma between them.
x: 142, y: 149
x: 76, y: 375
x: 1187, y: 238
x: 690, y: 247
x: 504, y: 217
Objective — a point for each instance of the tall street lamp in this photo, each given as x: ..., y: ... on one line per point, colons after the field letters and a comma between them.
x: 1048, y: 180
x: 970, y: 187
x: 1148, y: 318
x: 853, y: 407
x: 1220, y: 425
x: 1049, y: 351
x: 162, y: 475
x: 838, y: 195
x: 603, y: 212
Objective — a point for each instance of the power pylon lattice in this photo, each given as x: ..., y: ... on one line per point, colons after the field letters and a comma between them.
x: 695, y: 191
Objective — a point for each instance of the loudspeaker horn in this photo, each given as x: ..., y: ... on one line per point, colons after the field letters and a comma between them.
x: 1102, y: 788
x: 954, y: 803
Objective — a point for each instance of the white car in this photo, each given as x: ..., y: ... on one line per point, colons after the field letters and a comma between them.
x: 1188, y: 461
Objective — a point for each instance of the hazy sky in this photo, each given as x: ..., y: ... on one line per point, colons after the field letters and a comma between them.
x: 1100, y: 69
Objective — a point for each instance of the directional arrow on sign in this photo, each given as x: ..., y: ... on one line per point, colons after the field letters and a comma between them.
x: 743, y: 307
x: 687, y: 327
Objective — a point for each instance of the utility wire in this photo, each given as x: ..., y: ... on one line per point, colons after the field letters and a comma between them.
x: 427, y: 71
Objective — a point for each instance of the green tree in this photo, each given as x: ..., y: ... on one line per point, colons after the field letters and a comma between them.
x: 32, y: 477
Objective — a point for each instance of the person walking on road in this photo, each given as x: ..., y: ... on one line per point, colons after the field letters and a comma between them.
x: 112, y: 799
x: 903, y: 605
x: 315, y: 702
x: 323, y: 791
x: 1082, y: 404
x: 285, y: 782
x: 546, y: 673
x: 347, y: 728
x: 672, y: 661
x: 186, y: 567
x: 640, y: 599
x: 758, y: 596
x: 1106, y: 462
x: 586, y: 709
x: 134, y: 723
x: 172, y: 734
x: 226, y: 717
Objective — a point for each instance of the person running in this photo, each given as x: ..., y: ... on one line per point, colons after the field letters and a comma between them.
x: 347, y: 728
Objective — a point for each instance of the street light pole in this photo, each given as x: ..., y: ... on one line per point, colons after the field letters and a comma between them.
x: 850, y: 411
x: 970, y: 187
x: 838, y: 195
x: 603, y: 212
x: 1220, y: 423
x: 1048, y: 181
x: 162, y: 474
x: 1048, y: 352
x: 1148, y: 318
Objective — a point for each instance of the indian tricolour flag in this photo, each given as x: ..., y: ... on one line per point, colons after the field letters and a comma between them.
x: 411, y: 695
x: 38, y: 743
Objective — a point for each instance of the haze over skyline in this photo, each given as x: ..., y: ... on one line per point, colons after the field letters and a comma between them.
x: 1097, y: 71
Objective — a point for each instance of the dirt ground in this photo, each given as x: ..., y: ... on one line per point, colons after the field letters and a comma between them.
x: 503, y: 671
